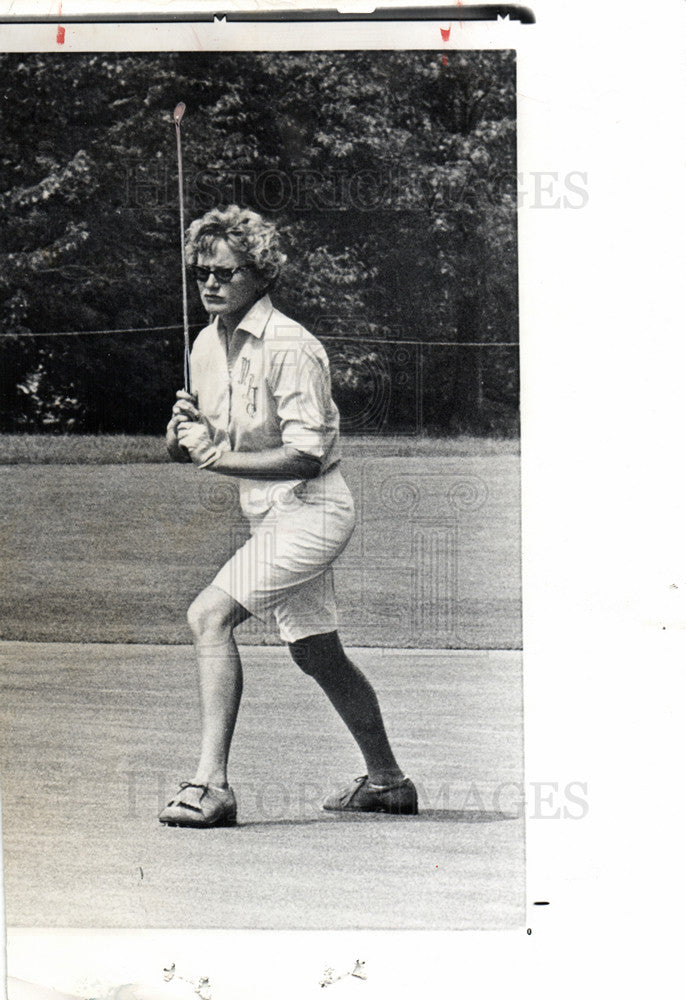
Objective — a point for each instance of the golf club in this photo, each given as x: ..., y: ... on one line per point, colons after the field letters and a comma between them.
x: 178, y: 115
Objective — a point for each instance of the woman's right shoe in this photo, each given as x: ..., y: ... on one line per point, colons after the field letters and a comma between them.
x: 200, y: 806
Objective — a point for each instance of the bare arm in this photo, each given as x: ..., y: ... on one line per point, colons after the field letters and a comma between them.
x: 273, y: 463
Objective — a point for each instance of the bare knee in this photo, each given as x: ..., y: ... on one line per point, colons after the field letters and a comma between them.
x: 207, y: 616
x: 214, y: 615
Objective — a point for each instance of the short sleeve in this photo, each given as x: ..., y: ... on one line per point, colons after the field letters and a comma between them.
x: 301, y: 386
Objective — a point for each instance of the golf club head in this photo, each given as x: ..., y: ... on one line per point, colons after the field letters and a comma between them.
x: 178, y: 112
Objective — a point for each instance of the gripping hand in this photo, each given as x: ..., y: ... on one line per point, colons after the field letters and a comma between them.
x: 194, y: 437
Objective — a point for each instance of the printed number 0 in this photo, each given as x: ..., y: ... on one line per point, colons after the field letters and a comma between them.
x: 528, y: 930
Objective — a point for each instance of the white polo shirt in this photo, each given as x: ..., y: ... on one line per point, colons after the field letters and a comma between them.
x: 265, y: 386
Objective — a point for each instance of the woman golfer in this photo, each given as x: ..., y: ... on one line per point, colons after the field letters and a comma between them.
x: 264, y: 415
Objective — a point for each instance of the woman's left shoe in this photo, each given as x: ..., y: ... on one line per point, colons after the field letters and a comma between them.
x: 200, y: 806
x: 398, y: 799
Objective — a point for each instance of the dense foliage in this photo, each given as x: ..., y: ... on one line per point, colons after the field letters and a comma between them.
x: 392, y: 176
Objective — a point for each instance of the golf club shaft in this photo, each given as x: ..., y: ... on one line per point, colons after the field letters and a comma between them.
x: 186, y: 338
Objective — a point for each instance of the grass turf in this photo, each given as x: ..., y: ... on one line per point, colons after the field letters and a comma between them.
x: 116, y: 449
x: 95, y: 738
x: 115, y: 553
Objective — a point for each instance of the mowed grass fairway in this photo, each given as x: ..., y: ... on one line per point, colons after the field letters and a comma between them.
x: 95, y: 737
x: 99, y: 716
x: 115, y: 553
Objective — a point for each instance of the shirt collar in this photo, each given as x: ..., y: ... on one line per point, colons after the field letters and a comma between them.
x: 257, y: 316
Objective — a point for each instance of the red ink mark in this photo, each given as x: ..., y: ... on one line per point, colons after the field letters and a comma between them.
x: 445, y: 35
x: 60, y: 30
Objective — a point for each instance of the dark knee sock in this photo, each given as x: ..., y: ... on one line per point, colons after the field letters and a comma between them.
x: 323, y: 658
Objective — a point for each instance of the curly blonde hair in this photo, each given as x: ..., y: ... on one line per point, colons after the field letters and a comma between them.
x: 246, y: 232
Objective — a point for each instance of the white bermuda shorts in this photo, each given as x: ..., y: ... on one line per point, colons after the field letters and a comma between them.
x: 284, y: 569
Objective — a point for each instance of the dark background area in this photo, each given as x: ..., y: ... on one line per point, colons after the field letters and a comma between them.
x: 392, y: 177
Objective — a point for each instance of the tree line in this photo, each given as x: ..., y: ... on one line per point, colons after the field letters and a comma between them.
x: 391, y: 175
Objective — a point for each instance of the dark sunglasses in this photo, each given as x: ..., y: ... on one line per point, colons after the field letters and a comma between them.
x: 223, y: 274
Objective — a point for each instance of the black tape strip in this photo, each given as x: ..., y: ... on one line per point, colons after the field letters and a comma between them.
x: 472, y: 12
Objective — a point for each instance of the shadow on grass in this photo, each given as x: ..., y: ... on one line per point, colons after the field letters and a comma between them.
x: 425, y: 816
